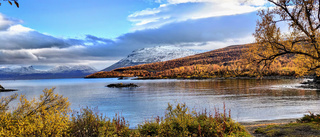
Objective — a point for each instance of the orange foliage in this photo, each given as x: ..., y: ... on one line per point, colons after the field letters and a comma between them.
x: 225, y: 62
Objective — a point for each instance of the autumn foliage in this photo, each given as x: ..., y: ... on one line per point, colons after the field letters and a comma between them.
x: 231, y: 61
x: 287, y: 42
x: 180, y: 121
x: 288, y: 28
x: 50, y: 115
x: 10, y: 2
x: 46, y: 116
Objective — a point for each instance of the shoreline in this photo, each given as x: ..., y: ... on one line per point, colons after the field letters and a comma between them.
x: 252, y: 126
x: 268, y: 122
x: 222, y: 78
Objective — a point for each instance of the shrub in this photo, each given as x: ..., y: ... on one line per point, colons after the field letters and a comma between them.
x: 181, y: 122
x: 310, y: 118
x: 49, y: 115
x: 46, y: 116
x: 88, y: 123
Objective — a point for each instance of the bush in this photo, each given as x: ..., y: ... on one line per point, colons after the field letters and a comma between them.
x: 88, y: 123
x: 49, y: 115
x: 181, y: 122
x: 46, y: 116
x: 310, y: 118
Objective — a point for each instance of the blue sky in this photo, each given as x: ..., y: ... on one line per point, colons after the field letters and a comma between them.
x: 101, y: 32
x: 75, y: 18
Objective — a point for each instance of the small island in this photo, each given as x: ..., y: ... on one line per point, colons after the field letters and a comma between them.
x: 121, y: 85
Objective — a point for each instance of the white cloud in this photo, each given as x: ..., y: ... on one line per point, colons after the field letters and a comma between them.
x: 182, y: 10
x: 158, y: 1
x: 191, y: 25
x: 5, y: 22
x: 145, y: 12
x: 17, y: 56
x: 249, y: 2
x: 187, y: 1
x: 211, y: 45
x: 20, y: 37
x: 15, y: 29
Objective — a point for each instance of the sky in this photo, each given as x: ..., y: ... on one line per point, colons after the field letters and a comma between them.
x: 101, y: 32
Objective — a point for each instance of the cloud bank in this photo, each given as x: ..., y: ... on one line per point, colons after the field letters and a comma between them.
x: 182, y: 10
x: 197, y: 24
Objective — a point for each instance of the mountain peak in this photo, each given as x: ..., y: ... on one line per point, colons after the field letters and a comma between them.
x: 152, y: 54
x: 64, y: 68
x: 29, y: 72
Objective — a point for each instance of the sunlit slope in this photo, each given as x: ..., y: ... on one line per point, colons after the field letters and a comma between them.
x: 209, y: 60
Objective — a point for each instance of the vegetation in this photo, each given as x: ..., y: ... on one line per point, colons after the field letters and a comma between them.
x: 168, y: 69
x: 287, y: 44
x: 225, y: 62
x: 180, y: 122
x: 86, y: 123
x: 46, y: 116
x: 10, y: 2
x: 290, y: 28
x: 306, y: 126
x: 50, y: 115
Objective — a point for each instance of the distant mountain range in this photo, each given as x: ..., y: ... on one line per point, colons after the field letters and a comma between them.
x: 151, y: 55
x: 137, y: 57
x: 12, y: 73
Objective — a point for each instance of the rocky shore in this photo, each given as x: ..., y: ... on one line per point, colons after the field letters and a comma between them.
x: 2, y: 89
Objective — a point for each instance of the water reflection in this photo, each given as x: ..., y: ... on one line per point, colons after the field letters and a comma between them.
x: 247, y: 99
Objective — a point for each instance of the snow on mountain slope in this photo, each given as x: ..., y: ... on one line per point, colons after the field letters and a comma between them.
x: 150, y: 55
x: 64, y: 69
x: 19, y: 72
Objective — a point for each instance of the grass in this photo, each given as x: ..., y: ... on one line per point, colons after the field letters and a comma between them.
x: 307, y: 126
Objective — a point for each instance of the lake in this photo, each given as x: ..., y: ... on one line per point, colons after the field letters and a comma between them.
x: 248, y: 100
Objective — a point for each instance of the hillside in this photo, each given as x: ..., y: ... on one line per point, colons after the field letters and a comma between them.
x: 159, y: 53
x: 224, y: 62
x: 222, y: 56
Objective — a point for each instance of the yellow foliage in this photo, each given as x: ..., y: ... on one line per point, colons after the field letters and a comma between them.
x: 46, y: 116
x: 300, y: 40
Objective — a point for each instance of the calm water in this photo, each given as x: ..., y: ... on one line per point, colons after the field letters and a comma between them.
x: 249, y: 100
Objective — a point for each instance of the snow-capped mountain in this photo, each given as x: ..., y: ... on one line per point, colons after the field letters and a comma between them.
x: 153, y: 54
x: 19, y: 72
x: 29, y: 69
x: 65, y: 69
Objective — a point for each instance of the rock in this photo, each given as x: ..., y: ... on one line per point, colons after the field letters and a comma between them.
x: 123, y: 78
x: 2, y: 88
x: 121, y: 85
x: 314, y: 84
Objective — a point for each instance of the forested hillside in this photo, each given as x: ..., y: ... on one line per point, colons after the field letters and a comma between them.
x: 225, y: 62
